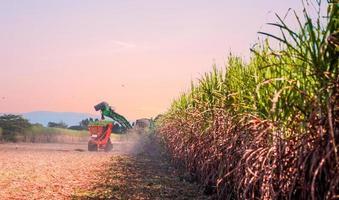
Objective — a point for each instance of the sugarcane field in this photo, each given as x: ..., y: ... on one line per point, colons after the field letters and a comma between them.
x: 201, y: 100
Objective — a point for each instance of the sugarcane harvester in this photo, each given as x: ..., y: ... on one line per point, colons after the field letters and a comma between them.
x: 100, y: 131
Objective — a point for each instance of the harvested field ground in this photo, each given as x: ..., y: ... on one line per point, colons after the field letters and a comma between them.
x: 133, y: 170
x: 47, y: 171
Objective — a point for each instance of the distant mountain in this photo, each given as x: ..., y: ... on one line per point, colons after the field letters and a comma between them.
x: 70, y: 118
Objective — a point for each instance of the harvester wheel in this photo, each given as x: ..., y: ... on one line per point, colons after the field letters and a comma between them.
x: 109, y: 146
x: 92, y: 147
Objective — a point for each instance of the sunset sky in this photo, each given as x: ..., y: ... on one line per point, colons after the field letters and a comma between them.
x: 63, y: 55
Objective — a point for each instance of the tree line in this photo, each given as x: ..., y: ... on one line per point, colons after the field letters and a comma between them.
x: 12, y: 126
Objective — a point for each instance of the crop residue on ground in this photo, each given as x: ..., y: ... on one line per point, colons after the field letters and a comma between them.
x: 47, y: 171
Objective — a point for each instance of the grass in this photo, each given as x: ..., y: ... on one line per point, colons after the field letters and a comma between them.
x: 48, y: 134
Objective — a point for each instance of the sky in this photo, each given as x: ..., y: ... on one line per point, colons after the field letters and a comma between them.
x: 138, y: 56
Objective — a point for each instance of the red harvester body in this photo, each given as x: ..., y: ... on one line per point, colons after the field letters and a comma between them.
x: 100, y: 137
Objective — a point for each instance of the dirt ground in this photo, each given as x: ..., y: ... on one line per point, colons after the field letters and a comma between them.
x: 47, y: 171
x: 135, y: 169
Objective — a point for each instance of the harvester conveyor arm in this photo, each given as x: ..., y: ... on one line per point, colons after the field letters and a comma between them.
x: 107, y: 111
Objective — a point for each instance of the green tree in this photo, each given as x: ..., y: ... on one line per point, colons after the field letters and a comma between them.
x: 84, y: 123
x: 12, y: 125
x: 76, y: 127
x: 57, y: 124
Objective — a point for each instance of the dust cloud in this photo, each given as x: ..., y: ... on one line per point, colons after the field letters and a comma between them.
x: 131, y: 143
